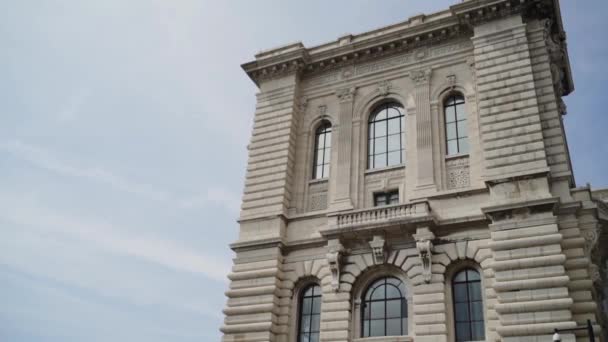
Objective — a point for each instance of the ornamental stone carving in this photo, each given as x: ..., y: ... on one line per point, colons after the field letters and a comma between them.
x: 421, y: 77
x: 334, y: 260
x: 384, y: 88
x: 457, y: 173
x: 346, y: 94
x: 424, y: 243
x: 379, y: 250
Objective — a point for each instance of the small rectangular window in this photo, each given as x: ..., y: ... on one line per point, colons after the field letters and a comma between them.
x: 386, y: 198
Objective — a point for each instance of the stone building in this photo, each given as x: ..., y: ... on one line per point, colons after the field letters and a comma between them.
x: 413, y: 183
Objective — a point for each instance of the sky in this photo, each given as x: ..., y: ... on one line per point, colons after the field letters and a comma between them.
x: 123, y: 133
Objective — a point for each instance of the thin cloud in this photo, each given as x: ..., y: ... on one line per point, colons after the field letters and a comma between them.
x: 151, y: 249
x: 44, y: 159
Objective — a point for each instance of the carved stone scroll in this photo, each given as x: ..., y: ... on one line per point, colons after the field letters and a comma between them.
x: 334, y: 260
x: 424, y: 243
x: 379, y: 250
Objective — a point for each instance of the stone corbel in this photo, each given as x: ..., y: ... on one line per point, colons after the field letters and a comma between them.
x: 384, y: 88
x: 424, y: 243
x: 334, y: 260
x: 379, y: 249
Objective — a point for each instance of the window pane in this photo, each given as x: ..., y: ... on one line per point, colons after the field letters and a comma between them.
x: 460, y: 112
x: 394, y: 158
x: 404, y: 322
x: 325, y: 170
x: 394, y: 142
x: 377, y: 310
x: 381, y: 115
x: 379, y: 199
x: 316, y: 305
x: 366, y: 310
x: 393, y: 308
x: 393, y: 327
x: 475, y: 290
x: 314, y: 337
x: 328, y: 139
x: 315, y: 323
x: 478, y: 333
x: 450, y: 131
x: 394, y: 199
x: 476, y: 311
x: 452, y: 147
x: 392, y: 292
x: 380, y: 145
x: 472, y: 275
x: 460, y: 293
x: 450, y: 114
x: 306, y: 305
x: 304, y: 337
x: 305, y: 324
x: 463, y: 145
x: 320, y: 142
x: 319, y: 172
x: 370, y: 162
x: 463, y: 332
x: 462, y: 312
x: 327, y: 155
x: 393, y: 111
x: 380, y: 160
x: 450, y: 101
x: 394, y: 126
x: 461, y: 276
x: 458, y: 99
x: 377, y: 327
x: 319, y: 160
x: 380, y: 129
x: 462, y: 129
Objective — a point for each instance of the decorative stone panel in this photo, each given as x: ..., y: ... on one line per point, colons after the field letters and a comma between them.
x: 457, y: 173
x: 317, y: 196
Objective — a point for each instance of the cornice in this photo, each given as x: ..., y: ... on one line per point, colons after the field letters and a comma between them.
x: 418, y: 31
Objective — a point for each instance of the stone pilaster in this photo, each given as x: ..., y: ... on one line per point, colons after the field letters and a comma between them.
x: 424, y: 130
x: 341, y: 186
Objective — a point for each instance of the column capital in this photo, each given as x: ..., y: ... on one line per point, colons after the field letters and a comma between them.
x: 346, y: 94
x: 421, y: 77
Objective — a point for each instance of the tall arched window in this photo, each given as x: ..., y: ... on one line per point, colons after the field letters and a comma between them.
x: 384, y: 310
x: 468, y: 306
x: 310, y: 314
x: 322, y: 151
x: 385, y: 142
x: 456, y: 132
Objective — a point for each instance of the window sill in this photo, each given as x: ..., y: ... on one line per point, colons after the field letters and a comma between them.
x: 383, y: 169
x: 385, y: 339
x: 318, y: 181
x: 457, y: 156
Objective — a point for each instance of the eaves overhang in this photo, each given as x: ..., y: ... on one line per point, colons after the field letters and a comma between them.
x: 415, y: 32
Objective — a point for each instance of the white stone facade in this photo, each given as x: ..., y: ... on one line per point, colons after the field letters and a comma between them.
x: 508, y: 208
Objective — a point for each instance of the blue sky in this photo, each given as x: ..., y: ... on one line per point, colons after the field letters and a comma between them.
x: 122, y: 151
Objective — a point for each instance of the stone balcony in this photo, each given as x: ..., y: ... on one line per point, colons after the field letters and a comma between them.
x: 395, y: 216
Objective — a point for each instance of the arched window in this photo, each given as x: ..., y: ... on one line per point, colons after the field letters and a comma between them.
x: 310, y: 314
x: 322, y: 151
x: 468, y: 306
x: 384, y: 310
x: 456, y: 132
x: 385, y: 142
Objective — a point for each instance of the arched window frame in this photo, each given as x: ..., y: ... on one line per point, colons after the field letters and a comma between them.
x: 376, y: 147
x: 322, y: 150
x: 362, y: 284
x: 450, y: 275
x: 455, y: 125
x: 300, y: 308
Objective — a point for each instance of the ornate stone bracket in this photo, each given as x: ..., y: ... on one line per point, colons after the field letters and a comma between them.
x: 334, y: 260
x: 379, y: 249
x: 424, y: 244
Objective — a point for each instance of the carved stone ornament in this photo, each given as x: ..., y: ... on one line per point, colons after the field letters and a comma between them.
x: 302, y: 104
x: 591, y: 236
x: 421, y: 77
x: 384, y: 88
x: 424, y: 244
x: 334, y: 256
x: 595, y: 273
x: 451, y: 80
x: 379, y: 250
x: 346, y: 94
x: 322, y: 110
